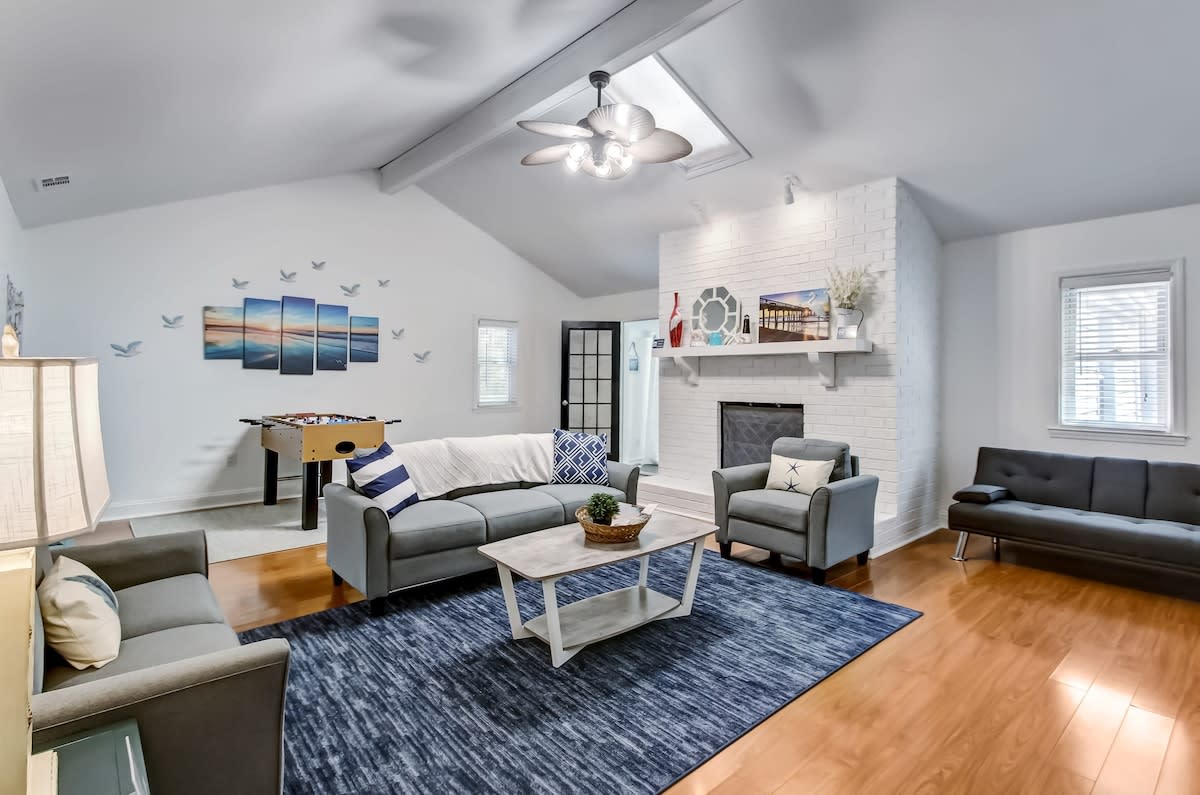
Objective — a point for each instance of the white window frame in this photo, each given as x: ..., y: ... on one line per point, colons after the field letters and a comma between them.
x: 514, y: 378
x: 1175, y: 434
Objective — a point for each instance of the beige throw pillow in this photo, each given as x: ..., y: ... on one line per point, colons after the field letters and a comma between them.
x: 79, y: 615
x: 798, y: 475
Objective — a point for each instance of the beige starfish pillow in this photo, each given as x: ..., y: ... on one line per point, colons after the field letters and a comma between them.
x: 798, y: 474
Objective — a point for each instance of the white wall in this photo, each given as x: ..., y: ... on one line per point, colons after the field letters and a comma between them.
x: 170, y: 418
x: 1001, y: 337
x: 638, y: 305
x: 12, y: 261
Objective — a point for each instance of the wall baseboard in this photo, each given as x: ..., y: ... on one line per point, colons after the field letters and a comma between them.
x: 134, y: 509
x: 896, y: 543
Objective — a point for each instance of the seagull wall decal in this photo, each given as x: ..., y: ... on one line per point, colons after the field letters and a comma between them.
x: 172, y: 322
x: 318, y: 265
x: 397, y: 333
x: 290, y: 278
x: 422, y: 357
x: 384, y: 282
x: 240, y: 285
x: 351, y: 291
x: 126, y: 351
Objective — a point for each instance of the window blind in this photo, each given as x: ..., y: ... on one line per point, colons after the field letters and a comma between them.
x: 496, y: 363
x: 1116, y: 351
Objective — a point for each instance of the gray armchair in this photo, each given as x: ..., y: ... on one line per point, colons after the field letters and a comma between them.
x: 209, y: 710
x: 837, y: 522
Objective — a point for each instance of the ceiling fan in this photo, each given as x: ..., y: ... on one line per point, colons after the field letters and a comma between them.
x: 609, y: 142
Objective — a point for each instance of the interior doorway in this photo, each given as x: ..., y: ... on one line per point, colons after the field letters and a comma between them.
x: 639, y: 395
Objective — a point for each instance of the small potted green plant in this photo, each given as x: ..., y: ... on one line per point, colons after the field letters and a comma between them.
x: 602, y: 508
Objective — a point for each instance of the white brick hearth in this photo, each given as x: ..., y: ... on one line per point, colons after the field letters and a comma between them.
x: 884, y: 405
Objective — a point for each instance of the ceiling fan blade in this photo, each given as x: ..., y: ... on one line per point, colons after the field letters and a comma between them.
x: 555, y: 129
x: 550, y: 154
x: 662, y: 146
x: 622, y: 122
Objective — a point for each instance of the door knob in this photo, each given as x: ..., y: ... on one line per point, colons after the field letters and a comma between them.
x: 565, y: 403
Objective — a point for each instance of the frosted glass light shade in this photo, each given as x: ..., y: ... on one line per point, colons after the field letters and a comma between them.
x: 53, y: 483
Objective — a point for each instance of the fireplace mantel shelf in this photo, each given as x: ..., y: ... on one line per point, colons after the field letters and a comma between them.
x: 822, y: 354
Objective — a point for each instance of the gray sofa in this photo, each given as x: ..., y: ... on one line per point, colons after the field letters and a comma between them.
x: 439, y: 537
x: 209, y: 710
x: 837, y: 522
x: 1141, y: 512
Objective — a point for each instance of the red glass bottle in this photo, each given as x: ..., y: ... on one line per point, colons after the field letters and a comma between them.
x: 675, y: 325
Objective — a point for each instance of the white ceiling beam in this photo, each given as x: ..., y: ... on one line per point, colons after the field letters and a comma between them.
x: 637, y: 30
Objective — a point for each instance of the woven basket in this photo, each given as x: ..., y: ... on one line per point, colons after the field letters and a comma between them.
x: 624, y: 528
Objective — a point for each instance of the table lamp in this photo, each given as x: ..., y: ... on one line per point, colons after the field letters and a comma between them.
x: 53, y: 485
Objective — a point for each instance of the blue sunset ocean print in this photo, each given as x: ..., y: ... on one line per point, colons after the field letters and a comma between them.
x: 299, y: 335
x: 364, y: 339
x: 222, y: 332
x: 333, y: 333
x: 261, y: 324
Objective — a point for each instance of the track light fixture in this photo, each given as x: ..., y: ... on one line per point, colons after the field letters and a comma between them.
x: 790, y: 183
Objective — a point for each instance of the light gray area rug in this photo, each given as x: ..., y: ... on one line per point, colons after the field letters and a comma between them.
x: 240, y: 531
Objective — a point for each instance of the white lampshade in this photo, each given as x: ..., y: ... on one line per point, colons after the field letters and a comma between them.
x: 53, y: 483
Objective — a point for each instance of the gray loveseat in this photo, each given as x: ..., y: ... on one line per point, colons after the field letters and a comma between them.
x: 209, y: 710
x: 835, y: 523
x: 439, y: 537
x: 1142, y: 512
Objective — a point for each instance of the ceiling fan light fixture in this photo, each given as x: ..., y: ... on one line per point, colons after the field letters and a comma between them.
x: 621, y: 134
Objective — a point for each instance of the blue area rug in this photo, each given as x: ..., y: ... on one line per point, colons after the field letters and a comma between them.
x: 436, y: 697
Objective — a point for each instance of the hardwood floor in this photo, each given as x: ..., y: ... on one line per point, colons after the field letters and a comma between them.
x: 1016, y: 680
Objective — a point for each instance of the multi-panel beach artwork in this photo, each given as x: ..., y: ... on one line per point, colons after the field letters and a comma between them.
x: 293, y: 335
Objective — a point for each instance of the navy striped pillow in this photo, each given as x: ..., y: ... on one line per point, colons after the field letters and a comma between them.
x: 384, y: 479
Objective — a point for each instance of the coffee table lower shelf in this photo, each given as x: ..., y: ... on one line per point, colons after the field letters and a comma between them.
x: 604, y: 616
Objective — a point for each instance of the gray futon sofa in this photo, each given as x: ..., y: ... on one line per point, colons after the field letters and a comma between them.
x: 209, y: 710
x: 1141, y: 512
x: 440, y: 537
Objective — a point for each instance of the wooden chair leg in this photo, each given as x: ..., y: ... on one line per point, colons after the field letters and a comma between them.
x: 818, y: 576
x: 337, y: 579
x: 726, y: 550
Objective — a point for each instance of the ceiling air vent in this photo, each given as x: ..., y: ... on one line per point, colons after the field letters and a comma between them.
x: 51, y: 183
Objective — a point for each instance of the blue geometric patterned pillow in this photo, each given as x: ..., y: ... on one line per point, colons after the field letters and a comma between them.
x: 580, y: 458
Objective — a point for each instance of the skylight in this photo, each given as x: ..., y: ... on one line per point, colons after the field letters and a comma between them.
x: 652, y: 84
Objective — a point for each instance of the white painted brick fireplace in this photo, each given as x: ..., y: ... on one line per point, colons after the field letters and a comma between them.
x: 885, y: 404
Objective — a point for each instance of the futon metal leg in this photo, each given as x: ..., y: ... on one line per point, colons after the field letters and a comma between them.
x: 270, y: 477
x: 312, y: 489
x: 863, y: 557
x: 818, y: 576
x: 995, y: 548
x: 960, y: 552
x: 337, y: 579
x: 726, y: 550
x: 378, y: 606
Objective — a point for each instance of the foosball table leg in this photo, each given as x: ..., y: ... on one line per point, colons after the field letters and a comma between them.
x: 326, y: 473
x: 312, y: 488
x: 270, y: 477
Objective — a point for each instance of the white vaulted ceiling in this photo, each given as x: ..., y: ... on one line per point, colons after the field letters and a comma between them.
x: 148, y: 101
x: 1001, y: 114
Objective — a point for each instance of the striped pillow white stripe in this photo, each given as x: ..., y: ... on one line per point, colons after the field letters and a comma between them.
x: 384, y: 479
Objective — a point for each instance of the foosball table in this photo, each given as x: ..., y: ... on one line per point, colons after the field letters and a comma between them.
x: 316, y: 441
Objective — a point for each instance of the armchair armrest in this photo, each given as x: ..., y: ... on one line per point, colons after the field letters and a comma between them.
x: 359, y: 536
x: 134, y: 561
x: 982, y: 494
x: 841, y: 520
x: 730, y: 481
x: 212, y: 723
x: 625, y: 477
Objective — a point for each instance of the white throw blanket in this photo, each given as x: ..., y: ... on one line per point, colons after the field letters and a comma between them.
x: 438, y: 466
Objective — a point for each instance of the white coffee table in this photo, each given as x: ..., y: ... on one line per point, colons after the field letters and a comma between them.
x: 549, y: 555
